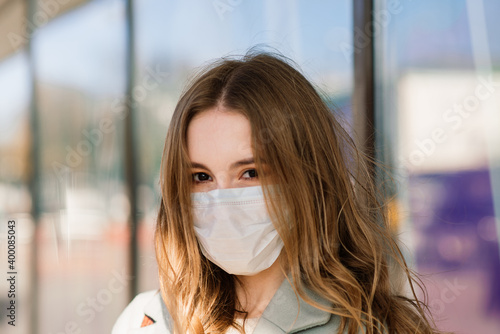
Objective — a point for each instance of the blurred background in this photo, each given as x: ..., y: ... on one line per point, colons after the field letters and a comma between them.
x: 87, y: 89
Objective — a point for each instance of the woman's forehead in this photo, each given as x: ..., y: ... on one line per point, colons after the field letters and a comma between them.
x: 218, y: 134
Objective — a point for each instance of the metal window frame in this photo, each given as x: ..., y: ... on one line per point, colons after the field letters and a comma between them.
x: 363, y: 103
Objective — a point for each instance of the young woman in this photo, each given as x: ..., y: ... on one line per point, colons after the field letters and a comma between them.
x: 269, y: 222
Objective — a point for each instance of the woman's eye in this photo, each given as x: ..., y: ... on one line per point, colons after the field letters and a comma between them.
x: 250, y: 174
x: 201, y: 177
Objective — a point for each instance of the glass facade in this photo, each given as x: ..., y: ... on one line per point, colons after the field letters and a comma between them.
x: 79, y: 62
x: 15, y: 200
x: 73, y: 75
x: 437, y: 116
x: 437, y: 120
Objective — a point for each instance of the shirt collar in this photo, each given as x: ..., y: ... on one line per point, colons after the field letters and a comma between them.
x: 157, y: 311
x: 285, y: 313
x: 288, y: 313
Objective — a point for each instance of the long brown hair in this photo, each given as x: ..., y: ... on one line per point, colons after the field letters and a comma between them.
x: 330, y: 216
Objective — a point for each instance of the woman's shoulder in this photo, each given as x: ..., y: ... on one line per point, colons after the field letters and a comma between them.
x: 144, y: 311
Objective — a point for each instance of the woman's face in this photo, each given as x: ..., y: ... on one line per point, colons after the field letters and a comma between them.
x: 220, y: 151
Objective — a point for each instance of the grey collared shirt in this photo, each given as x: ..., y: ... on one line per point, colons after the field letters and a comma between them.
x: 285, y: 313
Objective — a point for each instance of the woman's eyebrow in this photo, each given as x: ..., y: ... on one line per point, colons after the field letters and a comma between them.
x: 198, y: 165
x: 236, y: 164
x: 243, y: 162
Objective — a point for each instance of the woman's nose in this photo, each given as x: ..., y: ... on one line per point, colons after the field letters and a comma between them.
x: 223, y: 181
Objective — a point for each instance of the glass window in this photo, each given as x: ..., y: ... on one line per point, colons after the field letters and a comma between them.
x: 438, y: 113
x: 79, y: 56
x: 15, y: 201
x: 82, y: 258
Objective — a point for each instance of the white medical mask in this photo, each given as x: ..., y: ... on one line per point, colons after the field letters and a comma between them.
x: 234, y: 229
